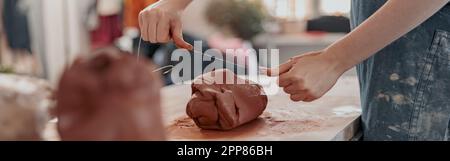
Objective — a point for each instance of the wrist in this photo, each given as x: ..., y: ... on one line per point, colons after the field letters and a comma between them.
x: 338, y: 59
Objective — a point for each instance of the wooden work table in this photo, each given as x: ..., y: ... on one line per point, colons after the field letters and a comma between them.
x: 334, y: 117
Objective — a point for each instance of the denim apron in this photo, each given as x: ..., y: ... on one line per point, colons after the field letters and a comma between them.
x: 405, y: 88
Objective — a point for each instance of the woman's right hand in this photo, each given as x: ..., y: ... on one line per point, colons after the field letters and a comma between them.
x: 161, y: 22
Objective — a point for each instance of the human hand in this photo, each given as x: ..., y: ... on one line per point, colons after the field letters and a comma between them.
x: 308, y: 77
x: 161, y: 22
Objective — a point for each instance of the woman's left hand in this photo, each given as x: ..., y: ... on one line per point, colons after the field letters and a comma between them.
x: 310, y: 76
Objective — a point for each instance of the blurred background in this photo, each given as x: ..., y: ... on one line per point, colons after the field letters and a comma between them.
x: 41, y: 37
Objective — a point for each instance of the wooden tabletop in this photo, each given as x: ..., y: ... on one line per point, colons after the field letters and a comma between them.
x: 336, y: 116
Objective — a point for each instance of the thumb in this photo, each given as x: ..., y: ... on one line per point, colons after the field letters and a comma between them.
x: 283, y: 68
x: 177, y: 36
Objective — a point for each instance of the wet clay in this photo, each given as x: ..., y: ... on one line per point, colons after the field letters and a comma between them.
x: 222, y: 101
x: 109, y: 96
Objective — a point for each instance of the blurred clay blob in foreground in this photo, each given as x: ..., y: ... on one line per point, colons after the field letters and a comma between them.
x: 111, y: 96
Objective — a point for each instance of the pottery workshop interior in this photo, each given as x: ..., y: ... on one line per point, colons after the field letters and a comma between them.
x: 224, y: 70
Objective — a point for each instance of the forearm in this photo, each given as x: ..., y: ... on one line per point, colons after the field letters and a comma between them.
x: 393, y: 20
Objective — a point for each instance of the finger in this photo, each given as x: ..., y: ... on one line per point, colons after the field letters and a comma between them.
x: 298, y: 97
x: 152, y: 24
x: 295, y: 88
x: 310, y: 98
x: 143, y: 25
x: 283, y: 68
x: 292, y: 89
x: 163, y: 29
x: 285, y: 80
x: 177, y: 36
